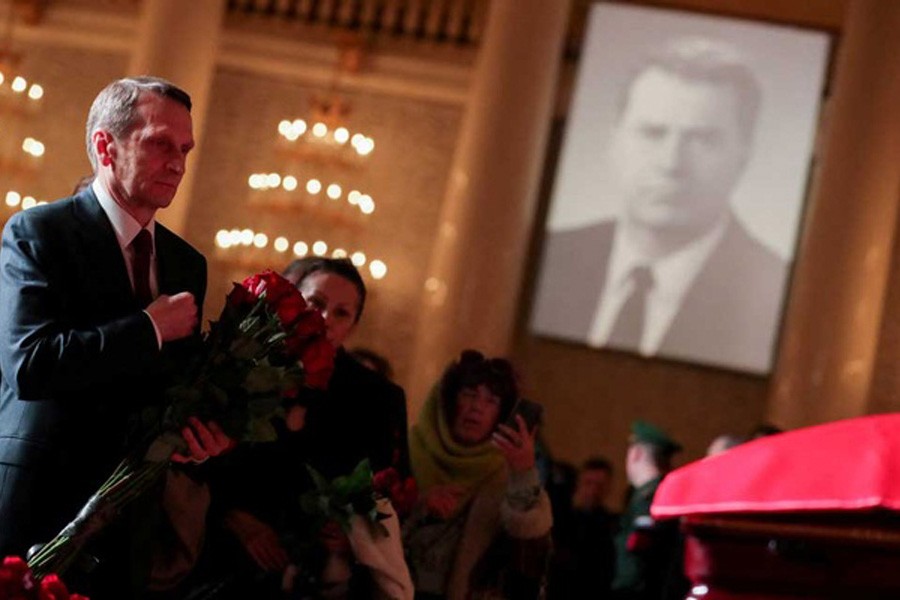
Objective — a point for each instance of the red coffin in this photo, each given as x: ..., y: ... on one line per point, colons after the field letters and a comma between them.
x: 811, y: 513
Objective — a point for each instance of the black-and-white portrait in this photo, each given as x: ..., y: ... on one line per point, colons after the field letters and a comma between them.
x: 678, y: 197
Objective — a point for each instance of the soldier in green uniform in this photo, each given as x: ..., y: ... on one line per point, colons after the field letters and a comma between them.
x: 645, y: 549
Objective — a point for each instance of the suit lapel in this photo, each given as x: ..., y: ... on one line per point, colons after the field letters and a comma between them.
x: 101, y: 249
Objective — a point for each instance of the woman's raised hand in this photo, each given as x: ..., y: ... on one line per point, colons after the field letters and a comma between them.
x: 517, y: 445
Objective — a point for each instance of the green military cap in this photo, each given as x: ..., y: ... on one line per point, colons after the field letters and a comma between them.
x: 647, y: 433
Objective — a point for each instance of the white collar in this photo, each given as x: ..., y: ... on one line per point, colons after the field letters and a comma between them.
x: 674, y: 273
x: 125, y: 226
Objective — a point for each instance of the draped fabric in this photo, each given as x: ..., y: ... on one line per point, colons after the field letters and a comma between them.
x: 852, y: 464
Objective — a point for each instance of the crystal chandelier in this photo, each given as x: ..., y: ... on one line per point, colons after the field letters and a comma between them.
x: 320, y: 157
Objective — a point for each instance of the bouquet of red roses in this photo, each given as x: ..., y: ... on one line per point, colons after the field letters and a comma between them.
x: 266, y: 346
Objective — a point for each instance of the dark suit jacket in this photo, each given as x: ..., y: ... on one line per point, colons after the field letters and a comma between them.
x: 729, y: 316
x: 78, y: 355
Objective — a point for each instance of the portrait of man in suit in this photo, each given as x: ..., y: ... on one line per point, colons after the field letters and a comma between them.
x: 676, y: 273
x: 97, y: 302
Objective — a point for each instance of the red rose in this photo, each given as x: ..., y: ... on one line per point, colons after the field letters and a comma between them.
x: 384, y: 480
x: 318, y: 362
x: 309, y: 324
x: 309, y: 327
x: 290, y: 307
x: 240, y: 296
x: 52, y: 588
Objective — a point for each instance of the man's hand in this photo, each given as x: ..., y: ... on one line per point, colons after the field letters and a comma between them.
x: 175, y: 316
x: 259, y: 540
x: 517, y: 445
x: 203, y: 441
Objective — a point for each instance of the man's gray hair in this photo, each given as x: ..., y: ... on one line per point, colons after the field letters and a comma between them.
x: 710, y: 61
x: 115, y: 107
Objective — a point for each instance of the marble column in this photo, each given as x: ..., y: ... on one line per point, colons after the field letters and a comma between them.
x: 475, y: 272
x: 179, y: 41
x: 832, y: 351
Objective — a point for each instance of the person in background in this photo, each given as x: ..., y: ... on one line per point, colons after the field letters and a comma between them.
x: 374, y: 361
x: 482, y: 525
x: 724, y: 442
x: 584, y: 556
x: 645, y: 549
x: 360, y: 416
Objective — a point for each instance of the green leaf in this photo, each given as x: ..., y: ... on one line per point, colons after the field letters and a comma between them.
x: 318, y: 479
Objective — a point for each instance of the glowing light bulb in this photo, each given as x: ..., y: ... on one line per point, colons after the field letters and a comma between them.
x: 334, y: 191
x: 19, y: 84
x: 13, y: 198
x: 301, y: 249
x: 378, y: 269
x: 35, y: 92
x: 358, y: 259
x: 313, y: 186
x: 289, y: 183
x: 339, y: 253
x: 281, y: 244
x: 246, y: 237
x: 341, y: 135
x: 223, y: 238
x: 319, y: 248
x: 320, y: 130
x: 260, y: 240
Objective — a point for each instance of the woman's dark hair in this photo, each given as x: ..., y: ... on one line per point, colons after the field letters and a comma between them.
x: 302, y: 268
x: 473, y: 369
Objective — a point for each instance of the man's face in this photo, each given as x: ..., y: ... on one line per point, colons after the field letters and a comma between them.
x: 148, y: 160
x: 591, y: 489
x: 679, y: 152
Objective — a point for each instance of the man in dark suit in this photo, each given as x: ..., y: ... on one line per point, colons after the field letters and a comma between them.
x: 96, y: 298
x: 676, y: 274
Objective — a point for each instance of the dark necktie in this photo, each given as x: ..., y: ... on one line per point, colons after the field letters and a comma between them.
x: 142, y: 245
x: 629, y: 326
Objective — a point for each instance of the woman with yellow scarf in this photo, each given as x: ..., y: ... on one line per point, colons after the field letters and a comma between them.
x: 481, y: 528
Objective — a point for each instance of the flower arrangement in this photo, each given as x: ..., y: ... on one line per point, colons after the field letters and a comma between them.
x: 328, y: 511
x: 402, y: 493
x: 266, y: 346
x: 17, y: 582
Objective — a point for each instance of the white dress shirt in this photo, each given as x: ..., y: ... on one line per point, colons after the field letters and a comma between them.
x: 673, y: 276
x: 126, y: 228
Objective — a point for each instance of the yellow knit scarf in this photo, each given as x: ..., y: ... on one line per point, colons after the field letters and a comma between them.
x: 437, y: 459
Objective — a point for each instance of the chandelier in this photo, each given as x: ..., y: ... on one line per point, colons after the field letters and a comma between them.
x: 21, y: 153
x: 320, y: 158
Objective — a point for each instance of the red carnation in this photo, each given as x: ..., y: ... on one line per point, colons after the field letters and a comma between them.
x: 52, y: 588
x: 15, y: 565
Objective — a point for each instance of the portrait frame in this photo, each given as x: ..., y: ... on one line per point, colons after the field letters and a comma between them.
x: 791, y: 65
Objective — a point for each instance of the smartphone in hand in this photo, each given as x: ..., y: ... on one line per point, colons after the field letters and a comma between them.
x: 531, y: 412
